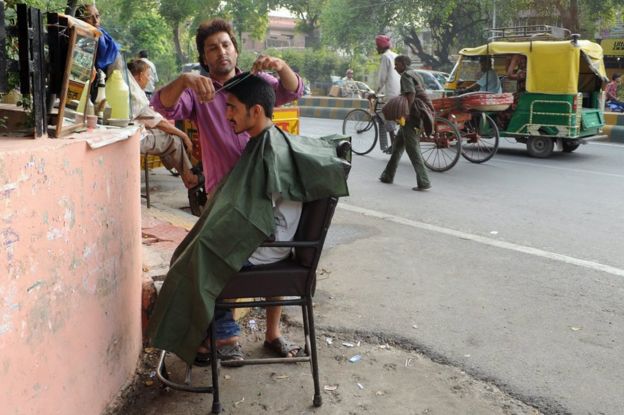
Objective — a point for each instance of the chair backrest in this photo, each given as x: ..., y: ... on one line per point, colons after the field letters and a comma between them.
x: 316, y: 216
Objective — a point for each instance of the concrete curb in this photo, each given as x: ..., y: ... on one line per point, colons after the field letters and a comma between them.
x: 329, y: 107
x: 615, y: 133
x: 614, y: 128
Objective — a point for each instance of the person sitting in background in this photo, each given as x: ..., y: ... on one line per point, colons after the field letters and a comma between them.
x: 517, y: 71
x: 160, y: 137
x: 153, y: 80
x: 611, y: 91
x: 349, y: 87
x: 488, y: 82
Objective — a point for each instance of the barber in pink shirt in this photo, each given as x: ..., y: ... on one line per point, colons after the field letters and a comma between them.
x: 196, y: 97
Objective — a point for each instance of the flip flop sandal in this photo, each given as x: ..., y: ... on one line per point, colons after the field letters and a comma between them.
x: 283, y: 347
x: 231, y: 352
x: 228, y: 352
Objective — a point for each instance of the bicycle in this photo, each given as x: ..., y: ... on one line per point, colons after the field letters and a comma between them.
x: 366, y: 126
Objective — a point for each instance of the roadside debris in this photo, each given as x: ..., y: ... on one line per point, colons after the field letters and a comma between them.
x: 355, y: 358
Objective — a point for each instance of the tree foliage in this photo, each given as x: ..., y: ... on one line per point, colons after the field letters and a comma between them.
x: 449, y: 23
x: 308, y: 13
x: 579, y: 16
x: 351, y: 25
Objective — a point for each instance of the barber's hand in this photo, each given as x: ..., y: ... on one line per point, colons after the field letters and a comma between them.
x: 202, y: 86
x: 265, y: 62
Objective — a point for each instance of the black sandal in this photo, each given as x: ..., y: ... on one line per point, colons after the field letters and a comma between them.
x: 284, y: 348
x: 226, y: 353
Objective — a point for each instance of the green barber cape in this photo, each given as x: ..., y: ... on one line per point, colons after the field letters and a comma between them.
x: 236, y: 221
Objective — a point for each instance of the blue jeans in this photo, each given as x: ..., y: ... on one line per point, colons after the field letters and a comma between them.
x: 225, y: 325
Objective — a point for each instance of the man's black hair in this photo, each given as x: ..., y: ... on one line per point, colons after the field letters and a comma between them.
x: 143, y: 54
x: 404, y: 59
x: 209, y: 28
x: 251, y: 90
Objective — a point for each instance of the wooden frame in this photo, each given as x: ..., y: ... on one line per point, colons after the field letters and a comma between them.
x: 77, y: 75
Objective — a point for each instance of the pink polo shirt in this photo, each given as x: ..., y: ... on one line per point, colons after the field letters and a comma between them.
x: 220, y: 146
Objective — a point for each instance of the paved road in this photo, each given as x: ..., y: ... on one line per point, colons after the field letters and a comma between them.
x: 511, y: 270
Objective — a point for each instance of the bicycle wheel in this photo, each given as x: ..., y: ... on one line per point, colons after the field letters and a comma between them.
x: 441, y: 150
x: 362, y: 128
x: 479, y: 138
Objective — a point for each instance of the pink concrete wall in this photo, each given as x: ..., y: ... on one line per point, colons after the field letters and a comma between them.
x: 70, y: 274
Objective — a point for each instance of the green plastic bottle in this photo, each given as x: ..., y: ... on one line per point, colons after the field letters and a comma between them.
x: 117, y: 96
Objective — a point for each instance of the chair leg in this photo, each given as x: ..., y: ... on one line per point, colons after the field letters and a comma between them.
x: 147, y: 190
x: 306, y: 328
x: 318, y: 401
x: 214, y: 366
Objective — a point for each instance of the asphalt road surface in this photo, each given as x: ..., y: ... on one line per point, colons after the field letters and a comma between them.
x: 511, y: 270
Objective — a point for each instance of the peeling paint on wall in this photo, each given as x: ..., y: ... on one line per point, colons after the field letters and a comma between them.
x: 5, y: 191
x: 8, y: 237
x: 74, y: 269
x: 8, y: 308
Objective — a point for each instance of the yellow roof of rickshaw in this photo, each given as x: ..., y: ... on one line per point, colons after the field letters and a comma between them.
x: 552, y: 66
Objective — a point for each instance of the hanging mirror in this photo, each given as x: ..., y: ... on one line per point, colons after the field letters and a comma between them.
x: 75, y: 87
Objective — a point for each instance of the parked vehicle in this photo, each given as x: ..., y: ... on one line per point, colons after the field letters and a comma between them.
x: 353, y: 89
x: 434, y: 82
x: 558, y: 94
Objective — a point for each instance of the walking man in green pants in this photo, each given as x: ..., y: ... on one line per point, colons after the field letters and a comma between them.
x: 407, y: 138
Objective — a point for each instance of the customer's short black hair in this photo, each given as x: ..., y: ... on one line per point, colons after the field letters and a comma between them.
x: 615, y: 76
x: 143, y: 54
x: 251, y: 89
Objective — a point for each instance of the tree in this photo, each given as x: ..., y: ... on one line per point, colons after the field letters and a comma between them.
x: 354, y: 23
x: 579, y: 16
x: 308, y: 13
x: 351, y: 25
x: 250, y: 16
x: 175, y: 13
x: 449, y: 22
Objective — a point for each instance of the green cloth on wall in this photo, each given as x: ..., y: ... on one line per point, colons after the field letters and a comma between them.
x: 236, y: 221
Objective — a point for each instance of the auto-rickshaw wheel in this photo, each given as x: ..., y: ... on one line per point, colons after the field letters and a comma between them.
x: 570, y: 146
x: 440, y: 150
x: 540, y: 147
x: 479, y: 138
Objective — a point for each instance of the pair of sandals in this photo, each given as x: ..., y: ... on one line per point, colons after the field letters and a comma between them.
x: 234, y: 352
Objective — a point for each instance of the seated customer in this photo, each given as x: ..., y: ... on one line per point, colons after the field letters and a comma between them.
x: 260, y: 198
x: 160, y: 137
x: 249, y: 108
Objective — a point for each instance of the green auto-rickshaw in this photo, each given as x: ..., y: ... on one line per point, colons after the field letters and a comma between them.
x: 557, y: 87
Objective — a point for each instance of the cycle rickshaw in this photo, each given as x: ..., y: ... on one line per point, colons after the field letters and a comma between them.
x: 463, y: 126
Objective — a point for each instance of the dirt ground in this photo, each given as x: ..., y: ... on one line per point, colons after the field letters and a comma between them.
x: 385, y: 379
